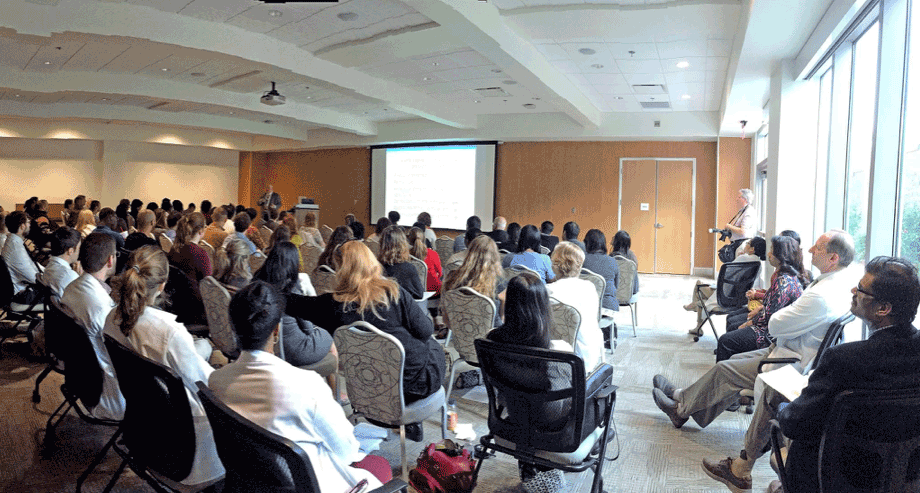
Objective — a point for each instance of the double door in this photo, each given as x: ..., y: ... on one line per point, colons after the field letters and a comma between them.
x: 657, y: 204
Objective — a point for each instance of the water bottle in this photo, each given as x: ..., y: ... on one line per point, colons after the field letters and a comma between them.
x: 451, y: 415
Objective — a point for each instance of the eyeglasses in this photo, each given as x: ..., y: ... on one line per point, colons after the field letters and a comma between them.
x: 859, y: 289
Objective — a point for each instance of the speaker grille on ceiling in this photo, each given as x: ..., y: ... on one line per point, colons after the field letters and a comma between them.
x: 655, y: 105
x: 649, y: 88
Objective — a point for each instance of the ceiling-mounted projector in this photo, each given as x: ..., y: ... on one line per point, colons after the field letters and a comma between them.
x: 272, y: 98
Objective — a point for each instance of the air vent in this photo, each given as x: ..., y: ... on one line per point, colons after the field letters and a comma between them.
x: 649, y: 88
x: 491, y: 92
x: 655, y: 105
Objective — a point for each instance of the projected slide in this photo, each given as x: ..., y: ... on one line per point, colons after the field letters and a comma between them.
x: 450, y: 182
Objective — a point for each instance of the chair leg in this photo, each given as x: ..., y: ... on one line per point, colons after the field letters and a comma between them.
x: 634, y: 310
x: 616, y: 335
x: 97, y: 460
x: 402, y: 445
x: 444, y: 420
x: 36, y: 396
x: 453, y: 374
x: 49, y: 426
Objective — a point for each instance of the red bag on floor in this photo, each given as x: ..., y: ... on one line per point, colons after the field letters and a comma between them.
x: 443, y: 467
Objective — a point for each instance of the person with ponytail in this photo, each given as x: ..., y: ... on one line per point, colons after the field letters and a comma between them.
x: 156, y: 334
x: 186, y: 253
x: 419, y: 250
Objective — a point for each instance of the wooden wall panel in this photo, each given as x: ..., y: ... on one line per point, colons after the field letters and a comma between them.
x: 339, y: 180
x: 734, y: 174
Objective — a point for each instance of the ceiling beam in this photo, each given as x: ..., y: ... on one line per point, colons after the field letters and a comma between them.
x: 480, y: 26
x: 118, y: 19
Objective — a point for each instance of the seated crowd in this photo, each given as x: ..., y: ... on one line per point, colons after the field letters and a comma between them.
x: 112, y: 273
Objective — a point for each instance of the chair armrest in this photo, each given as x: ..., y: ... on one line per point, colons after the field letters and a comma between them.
x: 392, y: 487
x: 598, y: 379
x: 775, y: 361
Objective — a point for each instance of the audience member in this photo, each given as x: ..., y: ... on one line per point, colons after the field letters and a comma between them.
x: 232, y: 264
x: 622, y: 246
x: 185, y: 253
x: 288, y: 401
x: 157, y: 335
x: 215, y: 234
x: 231, y: 213
x: 152, y: 206
x: 419, y: 250
x: 146, y: 220
x: 482, y: 271
x: 303, y: 343
x: 166, y: 205
x: 178, y: 206
x: 349, y: 218
x: 527, y: 323
x: 340, y: 235
x: 3, y: 230
x: 498, y: 233
x: 23, y: 269
x: 472, y: 222
x: 86, y: 223
x: 252, y: 232
x: 570, y: 232
x: 241, y: 223
x: 65, y: 249
x: 136, y: 205
x: 357, y: 229
x: 394, y: 255
x: 468, y: 237
x: 754, y: 250
x: 798, y: 329
x: 598, y: 262
x: 310, y: 234
x: 381, y: 225
x: 86, y: 300
x: 514, y: 234
x: 206, y: 209
x: 744, y: 224
x: 393, y: 216
x: 172, y: 219
x: 425, y: 218
x: 582, y: 295
x: 95, y: 206
x: 528, y: 254
x: 546, y: 236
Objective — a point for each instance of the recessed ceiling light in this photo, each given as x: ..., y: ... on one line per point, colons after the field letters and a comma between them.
x: 18, y: 96
x: 496, y: 70
x: 476, y: 101
x: 347, y: 16
x: 47, y: 63
x: 165, y: 69
x: 434, y: 64
x: 509, y: 82
x: 586, y: 51
x: 685, y: 96
x: 104, y: 99
x: 618, y: 97
x: 309, y: 97
x: 597, y: 65
x: 529, y: 106
x: 231, y: 112
x: 426, y: 78
x: 683, y: 64
x: 275, y: 13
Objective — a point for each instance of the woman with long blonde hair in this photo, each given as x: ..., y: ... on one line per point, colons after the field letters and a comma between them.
x: 362, y: 293
x: 86, y: 223
x: 482, y: 271
x: 231, y: 265
x: 157, y: 335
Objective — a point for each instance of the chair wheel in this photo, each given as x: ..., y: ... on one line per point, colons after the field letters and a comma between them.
x: 696, y: 339
x: 36, y: 397
x: 749, y: 409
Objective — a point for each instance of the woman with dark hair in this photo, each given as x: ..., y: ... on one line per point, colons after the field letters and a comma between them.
x: 622, y: 245
x: 394, y: 255
x: 382, y: 224
x: 598, y: 262
x: 419, y: 250
x: 528, y: 323
x: 304, y: 344
x: 425, y: 218
x: 166, y: 204
x: 157, y: 335
x: 340, y: 235
x: 178, y: 206
x: 514, y: 234
x: 529, y: 254
x: 786, y: 286
x: 136, y: 205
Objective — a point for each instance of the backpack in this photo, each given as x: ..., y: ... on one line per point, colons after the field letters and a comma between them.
x: 443, y: 467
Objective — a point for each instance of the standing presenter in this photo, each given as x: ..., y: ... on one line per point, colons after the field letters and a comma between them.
x: 270, y: 202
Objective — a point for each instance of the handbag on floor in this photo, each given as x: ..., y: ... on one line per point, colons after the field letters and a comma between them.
x: 443, y: 467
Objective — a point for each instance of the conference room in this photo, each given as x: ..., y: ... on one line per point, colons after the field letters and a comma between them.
x: 643, y: 116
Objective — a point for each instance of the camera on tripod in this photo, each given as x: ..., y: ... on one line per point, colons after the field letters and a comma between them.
x: 724, y: 234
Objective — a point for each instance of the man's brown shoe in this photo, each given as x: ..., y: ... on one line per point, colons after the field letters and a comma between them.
x: 722, y: 471
x: 668, y: 406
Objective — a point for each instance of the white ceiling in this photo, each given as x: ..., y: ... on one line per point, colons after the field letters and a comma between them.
x: 354, y: 64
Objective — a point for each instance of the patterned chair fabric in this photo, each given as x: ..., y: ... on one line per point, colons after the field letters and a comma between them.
x: 208, y: 248
x: 544, y: 250
x: 514, y: 270
x: 374, y: 246
x: 600, y: 284
x: 165, y: 243
x: 625, y: 294
x: 310, y: 254
x: 266, y: 234
x: 421, y: 268
x: 444, y: 245
x: 256, y: 261
x: 326, y: 232
x: 448, y: 268
x: 470, y: 316
x: 323, y: 280
x: 566, y: 321
x: 216, y: 307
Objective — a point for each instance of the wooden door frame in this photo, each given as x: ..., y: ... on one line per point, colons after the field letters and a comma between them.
x: 693, y: 204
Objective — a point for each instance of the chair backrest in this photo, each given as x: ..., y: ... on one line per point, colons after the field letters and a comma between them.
x: 833, y: 335
x: 326, y: 233
x: 421, y: 268
x: 444, y: 245
x: 470, y: 316
x: 184, y: 296
x: 514, y: 270
x: 450, y: 267
x: 373, y: 246
x: 255, y: 459
x: 165, y: 243
x: 266, y: 234
x: 735, y: 279
x: 209, y: 249
x: 158, y: 428
x: 871, y: 442
x: 373, y: 362
x: 566, y: 321
x: 323, y: 279
x: 70, y: 344
x: 536, y: 396
x: 310, y: 254
x: 255, y: 262
x: 544, y: 250
x: 627, y: 278
x: 600, y: 285
x: 6, y: 284
x: 216, y: 307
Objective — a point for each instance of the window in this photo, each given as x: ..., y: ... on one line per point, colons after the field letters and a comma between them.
x: 909, y: 204
x: 824, y: 132
x: 861, y: 135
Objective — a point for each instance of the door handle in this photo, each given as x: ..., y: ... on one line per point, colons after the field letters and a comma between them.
x: 658, y: 225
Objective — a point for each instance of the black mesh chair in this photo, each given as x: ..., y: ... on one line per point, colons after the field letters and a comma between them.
x: 735, y: 279
x: 158, y: 433
x: 870, y: 443
x: 184, y: 300
x: 259, y: 460
x: 12, y: 311
x: 543, y: 410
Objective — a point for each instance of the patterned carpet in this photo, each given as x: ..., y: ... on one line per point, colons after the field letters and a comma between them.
x: 654, y: 457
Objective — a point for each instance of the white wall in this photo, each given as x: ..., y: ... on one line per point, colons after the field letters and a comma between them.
x: 56, y: 169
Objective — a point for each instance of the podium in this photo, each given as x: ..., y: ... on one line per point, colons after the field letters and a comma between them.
x: 301, y: 210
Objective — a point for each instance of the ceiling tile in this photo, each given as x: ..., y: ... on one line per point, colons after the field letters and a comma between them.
x: 435, y: 63
x: 719, y: 47
x: 173, y: 65
x: 600, y: 51
x: 469, y: 58
x: 693, y: 89
x: 605, y: 79
x: 15, y: 52
x: 508, y: 4
x: 20, y: 96
x: 139, y: 56
x: 75, y: 97
x: 685, y: 77
x: 696, y: 63
x: 164, y: 5
x: 104, y: 98
x: 552, y: 52
x: 716, y: 79
x: 640, y: 51
x: 633, y: 79
x: 94, y: 55
x: 48, y: 98
x: 684, y: 48
x: 599, y: 67
x: 716, y: 64
x: 639, y: 66
x: 605, y: 89
x: 469, y: 73
x: 566, y: 66
x: 216, y: 10
x: 52, y: 57
x: 650, y: 98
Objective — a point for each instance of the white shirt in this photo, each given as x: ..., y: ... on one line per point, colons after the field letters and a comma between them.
x: 159, y: 337
x: 581, y: 294
x: 800, y: 327
x: 747, y: 221
x: 229, y: 227
x: 57, y: 275
x: 298, y: 405
x: 430, y: 236
x: 22, y: 268
x: 87, y: 301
